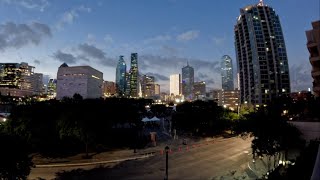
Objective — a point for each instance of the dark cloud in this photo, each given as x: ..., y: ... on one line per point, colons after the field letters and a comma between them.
x: 202, y: 76
x: 14, y: 35
x: 90, y: 51
x: 158, y: 76
x: 64, y: 57
x: 36, y: 61
x: 300, y: 76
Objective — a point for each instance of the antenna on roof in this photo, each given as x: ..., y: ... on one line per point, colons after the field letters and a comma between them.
x: 260, y: 3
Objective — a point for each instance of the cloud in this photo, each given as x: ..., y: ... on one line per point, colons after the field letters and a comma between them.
x: 36, y: 61
x: 108, y: 39
x: 158, y: 76
x: 29, y: 4
x: 202, y: 76
x: 189, y: 35
x: 14, y: 35
x: 70, y: 16
x: 169, y: 50
x: 219, y: 40
x: 90, y: 51
x: 300, y: 77
x: 159, y: 38
x: 64, y: 57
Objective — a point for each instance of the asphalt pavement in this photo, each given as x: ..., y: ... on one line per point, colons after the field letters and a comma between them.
x: 228, y: 158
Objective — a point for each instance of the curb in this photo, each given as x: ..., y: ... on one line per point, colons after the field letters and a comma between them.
x: 95, y: 163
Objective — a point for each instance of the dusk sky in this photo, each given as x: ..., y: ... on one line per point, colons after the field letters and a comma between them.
x: 165, y: 34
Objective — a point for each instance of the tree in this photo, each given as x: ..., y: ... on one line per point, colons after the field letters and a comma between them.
x: 15, y: 162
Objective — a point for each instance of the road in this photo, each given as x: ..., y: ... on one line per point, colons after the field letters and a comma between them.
x: 200, y: 162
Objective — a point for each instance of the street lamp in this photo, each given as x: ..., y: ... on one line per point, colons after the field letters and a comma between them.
x: 166, y: 149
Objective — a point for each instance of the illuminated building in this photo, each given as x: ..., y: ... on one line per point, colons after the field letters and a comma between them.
x: 199, y: 89
x: 227, y: 73
x: 17, y: 79
x: 261, y: 55
x: 175, y: 83
x: 134, y: 76
x: 109, y: 88
x: 121, y: 76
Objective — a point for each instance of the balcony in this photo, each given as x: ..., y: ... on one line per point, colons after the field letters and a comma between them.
x: 314, y: 59
x: 315, y: 73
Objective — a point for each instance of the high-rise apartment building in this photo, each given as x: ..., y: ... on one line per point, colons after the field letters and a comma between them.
x: 83, y: 80
x: 261, y: 55
x: 187, y: 82
x: 134, y: 76
x: 121, y: 76
x: 175, y: 83
x: 313, y: 44
x: 227, y: 73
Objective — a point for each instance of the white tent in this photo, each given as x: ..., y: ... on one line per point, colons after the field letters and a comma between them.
x: 145, y: 119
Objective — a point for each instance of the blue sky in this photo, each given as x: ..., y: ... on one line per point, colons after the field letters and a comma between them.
x: 165, y: 33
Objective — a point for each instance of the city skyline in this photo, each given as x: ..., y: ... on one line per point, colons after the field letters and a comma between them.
x: 164, y: 34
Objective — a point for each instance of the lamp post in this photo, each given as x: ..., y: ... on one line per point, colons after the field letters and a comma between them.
x: 167, y: 151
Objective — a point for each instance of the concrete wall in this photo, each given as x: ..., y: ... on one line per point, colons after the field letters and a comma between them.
x: 309, y: 130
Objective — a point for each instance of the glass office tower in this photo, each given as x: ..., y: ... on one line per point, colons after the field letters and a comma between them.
x: 227, y: 73
x: 121, y: 77
x: 134, y: 75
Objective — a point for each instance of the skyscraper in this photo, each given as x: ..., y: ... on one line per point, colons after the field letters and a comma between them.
x: 227, y: 73
x: 121, y: 76
x: 134, y: 75
x: 313, y: 44
x: 187, y: 82
x: 175, y: 82
x: 261, y: 55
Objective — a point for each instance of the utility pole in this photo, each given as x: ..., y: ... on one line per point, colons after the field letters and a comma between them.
x: 167, y: 151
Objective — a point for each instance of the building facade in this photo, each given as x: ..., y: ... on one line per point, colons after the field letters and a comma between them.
x: 38, y: 86
x: 83, y: 80
x: 121, y: 76
x: 134, y: 76
x: 261, y: 55
x: 109, y: 88
x: 157, y: 90
x: 313, y: 45
x: 52, y: 88
x: 227, y: 73
x: 230, y: 99
x: 175, y: 83
x: 199, y: 90
x: 187, y: 82
x: 18, y: 79
x: 147, y: 86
